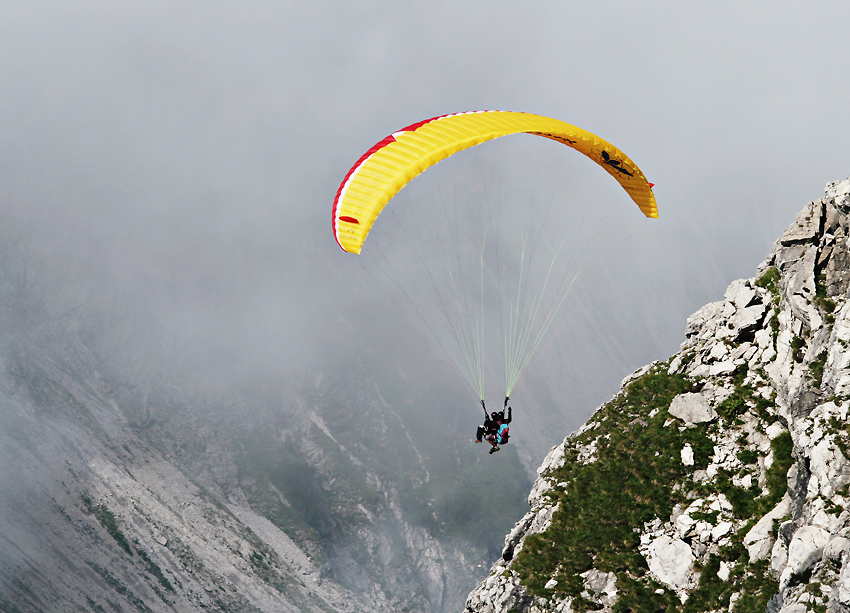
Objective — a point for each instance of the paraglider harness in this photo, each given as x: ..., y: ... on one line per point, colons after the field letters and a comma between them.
x: 499, y: 432
x: 501, y: 435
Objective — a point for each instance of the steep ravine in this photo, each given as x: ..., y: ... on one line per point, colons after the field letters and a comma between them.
x: 95, y: 518
x: 309, y: 496
x: 717, y: 480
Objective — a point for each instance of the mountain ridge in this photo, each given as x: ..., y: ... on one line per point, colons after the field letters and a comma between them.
x: 725, y: 467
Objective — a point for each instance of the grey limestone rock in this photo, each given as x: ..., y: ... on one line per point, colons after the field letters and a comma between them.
x: 785, y: 335
x: 692, y: 408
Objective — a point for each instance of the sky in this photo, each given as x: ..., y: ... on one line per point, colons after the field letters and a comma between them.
x: 172, y: 165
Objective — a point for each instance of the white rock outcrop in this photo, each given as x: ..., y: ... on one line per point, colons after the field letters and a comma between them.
x: 670, y: 562
x: 772, y: 362
x: 692, y: 409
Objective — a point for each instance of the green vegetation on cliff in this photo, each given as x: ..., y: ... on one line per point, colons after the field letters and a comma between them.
x: 601, y: 502
x: 636, y: 476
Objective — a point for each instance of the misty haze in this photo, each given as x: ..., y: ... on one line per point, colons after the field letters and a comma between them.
x: 207, y: 404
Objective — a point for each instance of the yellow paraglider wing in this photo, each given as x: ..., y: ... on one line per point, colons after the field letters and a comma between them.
x: 388, y: 166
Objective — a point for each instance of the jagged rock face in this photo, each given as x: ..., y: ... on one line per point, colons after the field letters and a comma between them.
x: 754, y: 449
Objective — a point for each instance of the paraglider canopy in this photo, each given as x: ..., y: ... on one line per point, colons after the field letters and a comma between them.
x: 392, y: 162
x: 471, y: 270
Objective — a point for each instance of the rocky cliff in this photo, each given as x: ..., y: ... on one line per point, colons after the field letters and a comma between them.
x: 718, y: 480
